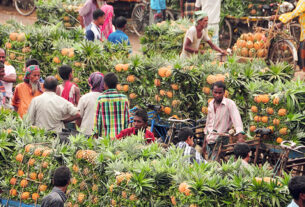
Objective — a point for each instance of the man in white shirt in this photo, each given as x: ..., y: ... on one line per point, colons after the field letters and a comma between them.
x: 9, y: 78
x: 213, y: 10
x: 194, y: 36
x: 50, y: 111
x: 93, y: 31
x: 296, y: 188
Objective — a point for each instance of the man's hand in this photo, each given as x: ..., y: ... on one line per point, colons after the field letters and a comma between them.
x: 240, y: 138
x: 224, y: 52
x: 274, y: 17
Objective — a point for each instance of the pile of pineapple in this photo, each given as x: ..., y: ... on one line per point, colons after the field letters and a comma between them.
x: 252, y: 45
x: 268, y: 111
x: 17, y: 51
x: 70, y: 15
x: 85, y: 189
x: 31, y: 174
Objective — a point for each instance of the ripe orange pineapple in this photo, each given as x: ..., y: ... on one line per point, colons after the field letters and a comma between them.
x: 37, y: 151
x: 206, y: 90
x: 254, y: 109
x: 40, y: 176
x: 252, y: 128
x: 19, y: 158
x: 24, y: 183
x: 282, y: 112
x: 31, y: 162
x: 13, y: 192
x: 33, y: 175
x: 28, y: 148
x: 175, y: 87
x: 43, y: 188
x: 81, y: 197
x: 35, y: 196
x: 25, y: 195
x: 157, y: 82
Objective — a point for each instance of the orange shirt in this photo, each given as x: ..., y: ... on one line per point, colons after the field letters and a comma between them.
x: 23, y: 97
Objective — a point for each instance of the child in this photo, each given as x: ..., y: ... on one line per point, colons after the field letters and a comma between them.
x: 67, y: 89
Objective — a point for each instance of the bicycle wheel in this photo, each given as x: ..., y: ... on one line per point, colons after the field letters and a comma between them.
x: 283, y: 51
x: 226, y: 35
x: 25, y: 7
x: 139, y: 18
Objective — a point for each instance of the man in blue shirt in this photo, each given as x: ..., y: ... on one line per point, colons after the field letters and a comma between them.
x: 93, y: 31
x: 297, y: 190
x: 119, y: 36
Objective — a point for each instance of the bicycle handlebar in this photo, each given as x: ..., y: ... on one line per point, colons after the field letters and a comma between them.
x: 178, y: 120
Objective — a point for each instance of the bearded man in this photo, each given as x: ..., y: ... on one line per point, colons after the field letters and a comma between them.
x: 26, y: 91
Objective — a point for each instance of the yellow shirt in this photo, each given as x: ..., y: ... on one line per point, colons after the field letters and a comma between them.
x: 299, y: 11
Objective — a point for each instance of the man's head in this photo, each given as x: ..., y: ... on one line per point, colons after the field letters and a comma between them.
x: 296, y: 188
x: 242, y: 150
x: 2, y: 72
x: 65, y: 72
x: 50, y: 83
x: 62, y: 176
x: 99, y: 17
x: 31, y: 62
x: 2, y: 55
x: 218, y: 90
x: 186, y: 134
x: 120, y: 22
x: 202, y: 19
x: 140, y: 119
x: 110, y: 81
x: 32, y: 76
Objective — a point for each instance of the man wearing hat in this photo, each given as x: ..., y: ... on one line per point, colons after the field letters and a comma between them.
x: 26, y: 91
x: 197, y: 33
x: 213, y: 10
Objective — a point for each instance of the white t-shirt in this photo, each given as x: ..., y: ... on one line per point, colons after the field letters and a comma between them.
x: 192, y: 35
x: 212, y: 7
x: 8, y: 69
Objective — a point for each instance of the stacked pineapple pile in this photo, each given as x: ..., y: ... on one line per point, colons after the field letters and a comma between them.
x: 85, y: 186
x: 269, y: 112
x: 17, y: 51
x: 70, y: 15
x: 253, y: 45
x: 32, y: 174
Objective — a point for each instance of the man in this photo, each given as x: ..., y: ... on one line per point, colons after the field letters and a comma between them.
x: 86, y: 12
x: 119, y: 36
x: 57, y: 197
x: 242, y: 151
x: 26, y: 91
x: 222, y: 115
x: 186, y: 135
x: 30, y: 62
x: 158, y: 8
x: 50, y: 111
x: 68, y: 90
x: 87, y: 103
x: 194, y: 36
x: 296, y: 188
x: 93, y: 31
x: 112, y: 111
x: 213, y: 10
x: 9, y: 78
x: 299, y: 11
x: 140, y: 124
x: 2, y: 89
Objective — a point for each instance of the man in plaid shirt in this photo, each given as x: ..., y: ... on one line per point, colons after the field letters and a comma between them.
x: 186, y: 137
x: 112, y: 112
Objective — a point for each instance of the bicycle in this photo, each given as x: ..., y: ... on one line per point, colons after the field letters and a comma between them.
x: 140, y: 17
x: 25, y: 7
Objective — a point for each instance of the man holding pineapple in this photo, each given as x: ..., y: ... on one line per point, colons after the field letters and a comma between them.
x: 197, y: 33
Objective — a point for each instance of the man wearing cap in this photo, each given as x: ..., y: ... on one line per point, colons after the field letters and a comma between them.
x: 212, y: 8
x: 26, y: 91
x: 197, y: 33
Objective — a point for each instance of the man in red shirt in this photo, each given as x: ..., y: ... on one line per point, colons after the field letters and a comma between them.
x: 140, y: 123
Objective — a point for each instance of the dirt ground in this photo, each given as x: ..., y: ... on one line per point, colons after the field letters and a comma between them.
x: 8, y: 13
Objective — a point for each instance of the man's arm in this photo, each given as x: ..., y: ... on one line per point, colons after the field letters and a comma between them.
x: 11, y: 78
x: 236, y: 120
x: 97, y: 125
x: 187, y: 46
x: 31, y: 114
x: 81, y: 21
x: 72, y: 118
x: 214, y: 47
x: 15, y: 100
x: 77, y: 95
x: 295, y: 13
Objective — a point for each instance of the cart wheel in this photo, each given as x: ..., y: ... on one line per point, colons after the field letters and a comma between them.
x: 25, y: 7
x: 283, y: 51
x: 139, y: 18
x: 226, y: 35
x: 295, y: 30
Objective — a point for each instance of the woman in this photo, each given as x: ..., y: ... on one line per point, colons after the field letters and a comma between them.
x: 87, y: 103
x: 107, y: 28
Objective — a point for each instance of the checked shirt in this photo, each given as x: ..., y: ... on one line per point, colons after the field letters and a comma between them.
x: 112, y: 114
x: 191, y: 153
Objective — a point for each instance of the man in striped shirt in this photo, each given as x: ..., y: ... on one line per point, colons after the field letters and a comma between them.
x: 186, y: 138
x: 112, y: 112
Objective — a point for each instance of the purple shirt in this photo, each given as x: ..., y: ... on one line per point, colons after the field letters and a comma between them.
x: 87, y: 12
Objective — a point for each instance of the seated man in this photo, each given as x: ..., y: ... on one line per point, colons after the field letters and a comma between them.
x: 50, y: 111
x: 140, y: 124
x: 186, y: 135
x: 242, y: 150
x: 296, y: 188
x: 119, y: 36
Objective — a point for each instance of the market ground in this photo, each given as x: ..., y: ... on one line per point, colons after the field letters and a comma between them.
x: 7, y: 13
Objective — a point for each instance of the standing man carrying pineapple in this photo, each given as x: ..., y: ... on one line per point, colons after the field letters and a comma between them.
x: 212, y: 8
